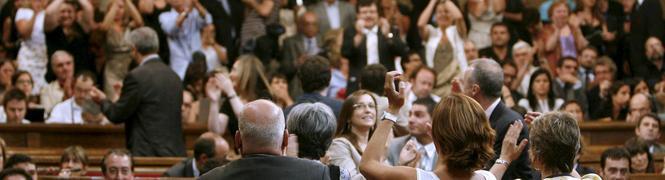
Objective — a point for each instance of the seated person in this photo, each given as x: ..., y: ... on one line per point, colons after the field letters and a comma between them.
x: 79, y: 109
x: 615, y: 164
x: 73, y: 162
x: 204, y: 149
x: 15, y: 106
x: 117, y: 164
x: 641, y: 161
x: 573, y: 107
x: 22, y: 161
x: 647, y: 129
x: 15, y: 173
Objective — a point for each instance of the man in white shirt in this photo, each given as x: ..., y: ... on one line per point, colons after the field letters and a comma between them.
x: 15, y: 106
x: 371, y: 41
x: 422, y: 85
x: 416, y: 150
x: 57, y: 91
x: 78, y: 109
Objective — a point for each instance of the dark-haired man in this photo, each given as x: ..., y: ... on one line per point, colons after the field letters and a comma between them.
x: 403, y: 150
x: 15, y: 106
x: 314, y: 75
x: 118, y: 164
x: 615, y: 164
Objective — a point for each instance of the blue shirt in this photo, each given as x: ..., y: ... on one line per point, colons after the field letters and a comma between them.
x: 185, y: 40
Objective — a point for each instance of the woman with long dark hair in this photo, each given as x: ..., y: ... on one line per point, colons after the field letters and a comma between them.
x: 540, y: 96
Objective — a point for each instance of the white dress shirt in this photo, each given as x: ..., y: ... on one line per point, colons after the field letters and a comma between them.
x: 427, y: 158
x: 311, y: 46
x: 543, y: 105
x: 333, y: 14
x: 372, y: 44
x: 67, y: 112
x: 184, y: 40
x: 489, y: 110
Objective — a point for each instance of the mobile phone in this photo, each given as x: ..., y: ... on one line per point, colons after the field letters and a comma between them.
x: 396, y: 85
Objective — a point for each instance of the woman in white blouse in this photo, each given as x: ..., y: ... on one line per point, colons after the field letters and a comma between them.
x: 32, y: 55
x: 540, y: 97
x: 444, y: 45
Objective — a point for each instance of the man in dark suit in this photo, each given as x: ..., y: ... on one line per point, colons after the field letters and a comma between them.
x: 204, y: 149
x: 567, y: 85
x: 150, y: 101
x: 482, y: 81
x: 297, y: 47
x: 262, y: 139
x: 645, y: 21
x: 227, y: 16
x: 315, y: 76
x: 405, y: 150
x: 371, y: 41
x: 334, y: 14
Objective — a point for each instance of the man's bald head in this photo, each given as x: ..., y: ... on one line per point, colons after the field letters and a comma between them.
x: 261, y: 127
x: 639, y: 106
x: 221, y: 146
x: 309, y: 24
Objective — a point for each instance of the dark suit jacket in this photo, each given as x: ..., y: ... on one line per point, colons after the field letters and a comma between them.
x: 335, y: 105
x: 225, y: 23
x: 182, y: 169
x: 389, y: 48
x: 646, y: 21
x: 150, y: 108
x: 292, y: 49
x: 260, y: 166
x: 567, y: 93
x: 500, y: 121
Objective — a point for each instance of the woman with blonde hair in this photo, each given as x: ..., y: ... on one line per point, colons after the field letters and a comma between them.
x: 462, y: 136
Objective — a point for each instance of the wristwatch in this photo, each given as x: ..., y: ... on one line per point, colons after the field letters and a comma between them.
x: 388, y: 116
x: 501, y: 161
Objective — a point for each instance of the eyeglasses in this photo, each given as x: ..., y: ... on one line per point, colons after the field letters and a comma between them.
x: 363, y: 106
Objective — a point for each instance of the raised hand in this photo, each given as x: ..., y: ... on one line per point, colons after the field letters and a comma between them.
x: 213, y: 89
x: 510, y: 150
x: 531, y: 116
x: 395, y: 98
x: 97, y: 95
x: 409, y: 154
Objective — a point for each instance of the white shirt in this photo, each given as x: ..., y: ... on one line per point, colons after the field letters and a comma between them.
x: 196, y: 171
x: 543, y: 105
x: 37, y: 36
x: 639, y: 2
x: 427, y: 159
x: 311, y: 46
x: 524, y: 85
x: 67, y: 112
x: 428, y: 175
x: 454, y: 39
x: 489, y: 110
x: 372, y: 44
x: 332, y: 10
x: 212, y: 58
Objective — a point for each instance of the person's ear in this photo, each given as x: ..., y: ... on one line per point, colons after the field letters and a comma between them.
x: 285, y: 140
x: 238, y: 141
x: 475, y: 89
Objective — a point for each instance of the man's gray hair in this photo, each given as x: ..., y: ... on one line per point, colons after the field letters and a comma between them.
x: 60, y: 53
x: 145, y: 40
x: 263, y: 133
x: 315, y: 125
x: 488, y: 74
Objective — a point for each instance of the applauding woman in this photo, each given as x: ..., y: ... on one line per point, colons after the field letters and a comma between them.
x: 462, y: 136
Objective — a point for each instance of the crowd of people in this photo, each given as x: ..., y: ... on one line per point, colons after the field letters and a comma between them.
x: 351, y: 89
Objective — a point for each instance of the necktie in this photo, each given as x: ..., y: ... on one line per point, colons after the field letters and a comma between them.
x: 423, y: 158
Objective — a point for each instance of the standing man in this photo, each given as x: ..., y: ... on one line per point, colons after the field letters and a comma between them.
x: 150, y: 101
x: 483, y: 81
x: 227, y: 18
x: 371, y: 41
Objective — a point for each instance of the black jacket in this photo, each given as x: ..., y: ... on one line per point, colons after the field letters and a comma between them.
x: 500, y: 120
x: 261, y: 166
x: 182, y: 169
x: 150, y: 108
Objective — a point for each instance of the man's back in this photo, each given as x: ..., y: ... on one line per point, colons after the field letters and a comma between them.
x: 150, y: 108
x: 260, y: 166
x: 500, y: 120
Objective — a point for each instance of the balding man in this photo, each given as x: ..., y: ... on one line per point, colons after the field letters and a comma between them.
x: 655, y: 55
x: 62, y: 64
x: 262, y: 139
x: 207, y: 147
x: 305, y: 43
x: 639, y: 106
x: 482, y: 81
x: 150, y: 102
